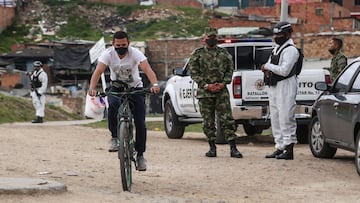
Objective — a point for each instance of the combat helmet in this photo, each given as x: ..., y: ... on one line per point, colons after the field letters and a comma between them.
x: 37, y: 64
x: 282, y: 27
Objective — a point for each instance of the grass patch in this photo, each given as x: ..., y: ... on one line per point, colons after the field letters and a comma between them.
x: 18, y: 109
x: 13, y: 35
x: 192, y: 23
x: 78, y: 28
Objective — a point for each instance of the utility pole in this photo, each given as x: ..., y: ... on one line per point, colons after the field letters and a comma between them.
x: 332, y: 17
x: 284, y: 10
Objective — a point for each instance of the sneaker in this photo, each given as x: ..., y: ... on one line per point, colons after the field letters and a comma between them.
x: 141, y: 163
x: 113, y: 147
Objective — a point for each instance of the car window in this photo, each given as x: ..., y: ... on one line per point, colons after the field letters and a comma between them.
x: 231, y: 51
x: 356, y: 86
x: 344, y: 80
x: 245, y: 58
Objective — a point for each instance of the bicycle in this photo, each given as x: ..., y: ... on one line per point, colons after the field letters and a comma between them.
x: 126, y: 150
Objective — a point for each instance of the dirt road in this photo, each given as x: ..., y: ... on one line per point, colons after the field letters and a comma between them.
x: 177, y: 171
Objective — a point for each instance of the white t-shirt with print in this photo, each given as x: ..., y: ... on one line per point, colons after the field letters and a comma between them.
x: 126, y: 69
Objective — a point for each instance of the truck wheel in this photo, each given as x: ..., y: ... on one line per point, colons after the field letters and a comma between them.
x: 319, y: 148
x: 220, y: 137
x: 251, y: 130
x: 302, y: 134
x: 173, y: 128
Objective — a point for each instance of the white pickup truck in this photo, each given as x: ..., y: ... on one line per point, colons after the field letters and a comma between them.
x: 248, y: 94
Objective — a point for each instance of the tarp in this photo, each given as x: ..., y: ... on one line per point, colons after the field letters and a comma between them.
x: 72, y: 57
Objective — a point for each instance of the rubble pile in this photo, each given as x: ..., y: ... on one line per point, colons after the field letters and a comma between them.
x: 45, y: 20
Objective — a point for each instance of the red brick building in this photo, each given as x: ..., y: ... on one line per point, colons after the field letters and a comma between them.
x: 310, y: 17
x: 7, y: 15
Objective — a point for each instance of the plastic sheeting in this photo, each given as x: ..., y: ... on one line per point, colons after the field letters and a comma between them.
x: 72, y: 57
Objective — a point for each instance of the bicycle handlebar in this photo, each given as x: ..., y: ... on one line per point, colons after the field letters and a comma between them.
x: 130, y: 91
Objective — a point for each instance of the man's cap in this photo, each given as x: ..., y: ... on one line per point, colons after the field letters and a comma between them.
x: 210, y: 31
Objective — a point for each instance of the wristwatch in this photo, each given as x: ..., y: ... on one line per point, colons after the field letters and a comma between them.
x: 206, y: 86
x: 155, y: 85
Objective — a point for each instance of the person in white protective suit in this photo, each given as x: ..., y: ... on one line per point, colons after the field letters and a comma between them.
x: 39, y: 82
x: 283, y: 89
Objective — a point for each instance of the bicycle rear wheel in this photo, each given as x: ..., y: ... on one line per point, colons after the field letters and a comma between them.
x: 124, y: 155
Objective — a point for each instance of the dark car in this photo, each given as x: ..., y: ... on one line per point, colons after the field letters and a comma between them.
x: 336, y: 115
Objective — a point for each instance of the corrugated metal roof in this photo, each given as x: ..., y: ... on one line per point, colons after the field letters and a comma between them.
x: 29, y: 53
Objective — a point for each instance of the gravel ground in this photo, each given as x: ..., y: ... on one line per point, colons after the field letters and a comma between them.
x: 177, y: 171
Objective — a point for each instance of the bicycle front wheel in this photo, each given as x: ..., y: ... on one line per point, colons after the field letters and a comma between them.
x: 124, y: 155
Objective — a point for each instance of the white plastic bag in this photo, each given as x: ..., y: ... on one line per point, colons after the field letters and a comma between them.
x: 94, y: 107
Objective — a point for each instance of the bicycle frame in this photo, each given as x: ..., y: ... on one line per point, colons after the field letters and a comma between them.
x: 126, y: 142
x: 126, y: 150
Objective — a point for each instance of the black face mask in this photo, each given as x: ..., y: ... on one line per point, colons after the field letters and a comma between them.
x: 280, y: 40
x: 121, y: 50
x: 211, y: 42
x: 332, y: 51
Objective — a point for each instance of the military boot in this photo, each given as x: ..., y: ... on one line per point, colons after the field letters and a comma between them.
x: 37, y: 120
x: 212, y: 150
x: 288, y: 153
x: 277, y: 152
x: 233, y: 150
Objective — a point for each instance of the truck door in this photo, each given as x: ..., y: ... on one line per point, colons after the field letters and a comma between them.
x: 186, y: 93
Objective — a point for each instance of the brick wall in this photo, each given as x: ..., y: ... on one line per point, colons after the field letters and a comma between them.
x: 308, y: 20
x: 165, y: 55
x: 351, y: 4
x: 6, y: 16
x: 9, y: 80
x: 316, y: 46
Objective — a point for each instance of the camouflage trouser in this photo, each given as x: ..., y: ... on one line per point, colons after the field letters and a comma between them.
x: 221, y: 105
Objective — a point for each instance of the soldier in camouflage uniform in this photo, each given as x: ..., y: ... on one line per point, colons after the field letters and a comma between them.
x: 339, y: 60
x: 211, y: 68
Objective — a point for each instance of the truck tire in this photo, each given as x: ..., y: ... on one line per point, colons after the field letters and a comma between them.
x: 173, y: 127
x: 220, y: 137
x: 302, y: 134
x: 252, y: 130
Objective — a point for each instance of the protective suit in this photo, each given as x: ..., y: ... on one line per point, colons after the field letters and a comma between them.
x: 39, y: 82
x: 282, y: 97
x: 283, y: 89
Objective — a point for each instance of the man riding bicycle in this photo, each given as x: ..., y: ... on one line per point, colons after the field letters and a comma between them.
x: 124, y: 62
